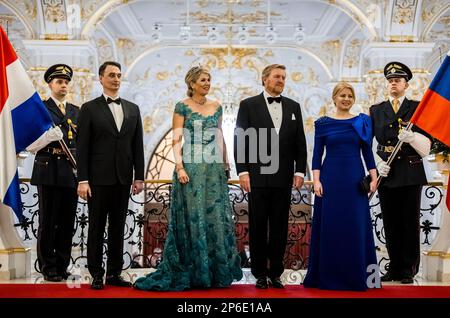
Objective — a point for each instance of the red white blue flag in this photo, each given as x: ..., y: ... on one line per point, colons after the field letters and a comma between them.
x: 433, y: 112
x: 23, y: 119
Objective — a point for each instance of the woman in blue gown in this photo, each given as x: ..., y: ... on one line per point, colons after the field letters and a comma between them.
x: 342, y: 244
x: 200, y: 249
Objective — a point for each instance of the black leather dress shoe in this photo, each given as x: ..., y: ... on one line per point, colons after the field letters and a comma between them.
x: 276, y: 282
x: 97, y: 283
x: 261, y: 283
x: 407, y: 280
x: 52, y: 277
x: 389, y: 277
x: 117, y: 281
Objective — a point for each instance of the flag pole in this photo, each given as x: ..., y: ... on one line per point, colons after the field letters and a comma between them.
x: 67, y: 152
x: 390, y: 159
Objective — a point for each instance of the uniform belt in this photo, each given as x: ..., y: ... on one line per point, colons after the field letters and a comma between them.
x: 54, y: 151
x: 385, y: 148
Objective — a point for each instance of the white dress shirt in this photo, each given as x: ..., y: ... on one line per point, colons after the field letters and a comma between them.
x: 400, y: 101
x: 57, y: 102
x: 275, y: 111
x: 116, y: 110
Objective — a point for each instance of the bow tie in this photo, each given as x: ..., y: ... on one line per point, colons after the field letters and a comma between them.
x: 110, y: 100
x: 274, y: 99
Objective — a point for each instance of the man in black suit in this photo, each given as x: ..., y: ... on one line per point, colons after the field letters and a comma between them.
x: 54, y: 176
x: 109, y: 149
x: 401, y: 188
x: 270, y: 156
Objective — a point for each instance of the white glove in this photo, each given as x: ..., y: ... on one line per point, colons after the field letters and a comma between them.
x: 53, y: 134
x: 383, y: 169
x: 406, y: 136
x: 421, y: 144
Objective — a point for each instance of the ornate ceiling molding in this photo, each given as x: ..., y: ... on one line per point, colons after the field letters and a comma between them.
x: 22, y: 18
x: 352, y: 10
x: 151, y: 50
x: 100, y: 14
x: 433, y: 20
x: 347, y: 6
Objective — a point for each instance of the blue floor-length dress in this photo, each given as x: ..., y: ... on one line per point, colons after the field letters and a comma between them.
x: 200, y: 249
x: 342, y: 244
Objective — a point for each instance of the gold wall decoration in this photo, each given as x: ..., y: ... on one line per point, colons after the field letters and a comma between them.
x: 36, y: 75
x: 6, y: 19
x: 54, y: 10
x: 52, y: 36
x: 297, y: 76
x: 129, y: 49
x: 162, y: 76
x: 375, y: 86
x: 431, y: 7
x: 404, y: 11
x: 418, y: 84
x: 240, y: 54
x: 401, y: 38
x: 81, y: 86
x: 206, y: 3
x: 309, y: 124
x: 230, y: 16
x: 440, y: 31
x: 148, y: 124
x: 313, y: 78
x: 352, y: 51
x: 89, y: 8
x: 125, y: 43
x: 328, y: 51
x: 105, y: 50
x: 30, y: 9
x: 217, y: 57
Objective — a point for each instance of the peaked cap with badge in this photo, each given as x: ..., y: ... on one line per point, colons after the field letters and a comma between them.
x: 397, y: 69
x: 58, y: 71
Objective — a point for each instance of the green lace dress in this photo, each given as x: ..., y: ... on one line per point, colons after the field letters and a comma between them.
x: 200, y: 249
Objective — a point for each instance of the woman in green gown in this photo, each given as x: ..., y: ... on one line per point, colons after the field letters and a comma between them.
x: 200, y: 249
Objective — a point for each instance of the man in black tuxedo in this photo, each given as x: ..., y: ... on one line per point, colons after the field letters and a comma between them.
x: 109, y: 149
x: 401, y: 188
x: 270, y: 156
x: 54, y: 176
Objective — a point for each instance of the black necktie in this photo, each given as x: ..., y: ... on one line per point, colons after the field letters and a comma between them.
x: 110, y: 100
x: 274, y: 99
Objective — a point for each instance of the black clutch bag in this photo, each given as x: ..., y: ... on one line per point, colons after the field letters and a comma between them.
x: 365, y: 183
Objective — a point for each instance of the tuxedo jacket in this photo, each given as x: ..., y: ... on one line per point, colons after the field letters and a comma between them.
x: 105, y: 155
x: 407, y: 167
x: 290, y: 141
x: 55, y: 169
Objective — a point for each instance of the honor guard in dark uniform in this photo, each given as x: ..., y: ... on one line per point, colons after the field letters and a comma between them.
x: 55, y: 178
x: 401, y: 188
